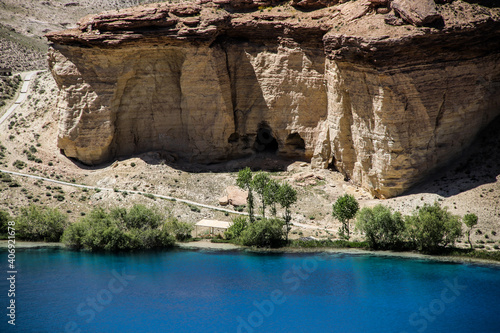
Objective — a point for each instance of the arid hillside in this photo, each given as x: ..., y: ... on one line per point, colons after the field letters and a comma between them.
x: 23, y: 24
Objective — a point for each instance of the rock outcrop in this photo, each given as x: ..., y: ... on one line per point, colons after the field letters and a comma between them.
x: 215, y: 80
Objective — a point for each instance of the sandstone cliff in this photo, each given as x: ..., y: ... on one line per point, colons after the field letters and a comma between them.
x: 385, y: 91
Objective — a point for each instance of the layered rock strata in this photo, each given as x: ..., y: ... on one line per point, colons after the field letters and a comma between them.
x: 385, y: 98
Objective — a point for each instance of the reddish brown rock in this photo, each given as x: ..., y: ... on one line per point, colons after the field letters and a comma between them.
x: 383, y: 10
x: 417, y: 12
x: 185, y: 9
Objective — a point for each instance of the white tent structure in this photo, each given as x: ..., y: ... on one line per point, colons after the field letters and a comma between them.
x: 213, y: 225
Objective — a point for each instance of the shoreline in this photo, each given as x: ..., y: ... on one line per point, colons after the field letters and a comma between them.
x: 207, y: 245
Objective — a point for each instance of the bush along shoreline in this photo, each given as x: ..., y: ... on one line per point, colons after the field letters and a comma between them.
x: 118, y: 229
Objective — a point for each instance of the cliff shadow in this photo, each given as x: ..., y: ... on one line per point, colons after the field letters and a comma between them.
x: 257, y: 162
x: 265, y: 161
x: 478, y: 165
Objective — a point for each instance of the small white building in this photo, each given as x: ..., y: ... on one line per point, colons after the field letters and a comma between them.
x: 214, y: 226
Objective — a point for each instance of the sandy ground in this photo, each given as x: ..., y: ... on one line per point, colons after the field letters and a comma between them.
x: 470, y: 184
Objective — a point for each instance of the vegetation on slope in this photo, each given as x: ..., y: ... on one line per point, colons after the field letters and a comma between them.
x: 118, y: 229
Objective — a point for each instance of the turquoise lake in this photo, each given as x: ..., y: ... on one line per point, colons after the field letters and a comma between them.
x: 208, y: 291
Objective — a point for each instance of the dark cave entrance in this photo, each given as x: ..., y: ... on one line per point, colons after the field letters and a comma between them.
x: 265, y: 142
x: 295, y: 142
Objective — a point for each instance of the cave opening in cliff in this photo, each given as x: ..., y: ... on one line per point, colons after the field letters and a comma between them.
x: 265, y: 142
x: 295, y: 142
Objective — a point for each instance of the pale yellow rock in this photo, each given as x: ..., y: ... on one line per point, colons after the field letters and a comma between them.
x: 236, y: 196
x: 385, y: 105
x: 223, y: 201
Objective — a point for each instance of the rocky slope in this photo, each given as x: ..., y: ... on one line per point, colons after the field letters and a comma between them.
x: 24, y: 23
x: 386, y: 91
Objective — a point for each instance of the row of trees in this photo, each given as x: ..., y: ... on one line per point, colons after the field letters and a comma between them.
x: 427, y: 229
x: 271, y: 193
x: 115, y: 229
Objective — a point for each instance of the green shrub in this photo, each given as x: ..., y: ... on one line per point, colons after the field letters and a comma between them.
x: 264, y: 233
x: 138, y: 217
x: 432, y: 227
x: 149, y: 196
x: 180, y: 230
x: 152, y: 239
x: 234, y: 231
x: 382, y: 228
x: 36, y: 223
x: 4, y: 220
x: 59, y: 197
x: 6, y: 178
x: 194, y: 208
x: 74, y: 235
x: 19, y: 164
x: 119, y: 229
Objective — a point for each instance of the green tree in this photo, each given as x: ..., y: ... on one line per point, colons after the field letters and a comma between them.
x: 470, y: 221
x: 259, y: 183
x: 263, y: 233
x: 4, y: 220
x: 235, y: 230
x: 74, y: 235
x: 142, y: 217
x: 382, y: 228
x: 344, y: 209
x: 180, y: 230
x: 244, y: 181
x: 36, y: 223
x: 271, y: 195
x: 432, y: 227
x: 287, y: 196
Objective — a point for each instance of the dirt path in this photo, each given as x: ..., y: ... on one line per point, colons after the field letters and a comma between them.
x: 22, y: 95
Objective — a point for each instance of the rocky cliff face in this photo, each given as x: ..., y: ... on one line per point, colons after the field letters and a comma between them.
x: 386, y: 91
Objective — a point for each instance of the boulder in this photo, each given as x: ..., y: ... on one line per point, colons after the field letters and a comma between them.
x: 223, y: 201
x: 353, y: 10
x: 236, y: 196
x: 383, y: 10
x: 417, y: 12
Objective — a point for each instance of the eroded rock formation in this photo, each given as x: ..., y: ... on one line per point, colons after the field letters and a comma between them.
x: 384, y: 96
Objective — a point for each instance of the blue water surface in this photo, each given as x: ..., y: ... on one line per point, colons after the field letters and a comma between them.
x: 204, y: 291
